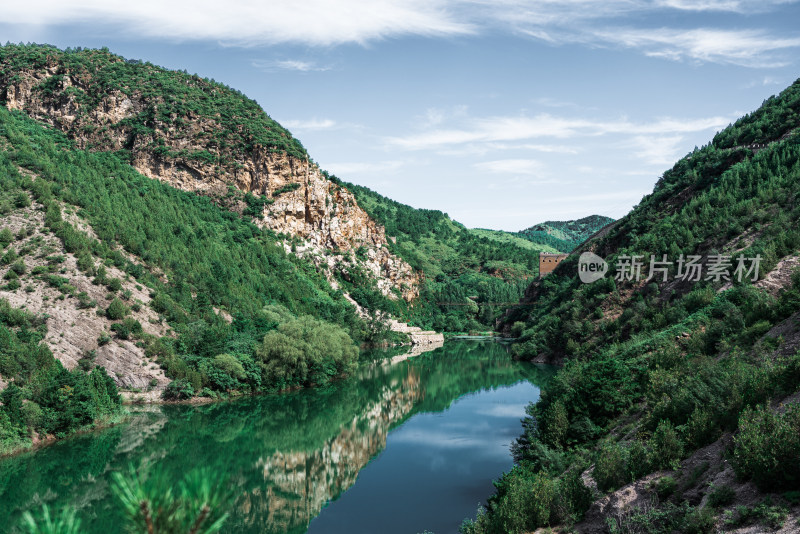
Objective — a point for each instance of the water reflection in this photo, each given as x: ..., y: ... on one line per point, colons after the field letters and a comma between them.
x: 289, y: 455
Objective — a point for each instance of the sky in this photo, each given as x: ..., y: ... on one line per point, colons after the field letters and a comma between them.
x: 501, y: 113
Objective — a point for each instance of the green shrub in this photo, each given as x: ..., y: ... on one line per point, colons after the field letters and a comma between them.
x: 22, y: 200
x: 665, y: 487
x: 555, y: 423
x: 6, y: 237
x: 306, y: 351
x: 230, y: 364
x: 699, y: 521
x: 13, y: 285
x: 178, y: 390
x: 665, y: 445
x: 18, y: 267
x: 522, y: 503
x: 721, y: 496
x: 116, y: 310
x: 767, y: 447
x: 611, y: 466
x: 114, y: 284
x: 32, y: 414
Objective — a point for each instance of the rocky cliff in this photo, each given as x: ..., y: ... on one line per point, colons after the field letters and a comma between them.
x: 164, y: 122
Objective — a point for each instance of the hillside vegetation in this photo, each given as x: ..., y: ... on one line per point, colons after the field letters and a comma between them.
x: 219, y: 282
x: 471, y: 277
x: 162, y: 104
x: 199, y: 135
x: 656, y: 370
x: 564, y: 235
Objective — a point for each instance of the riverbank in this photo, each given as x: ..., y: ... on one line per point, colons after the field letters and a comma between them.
x: 36, y: 442
x: 306, y: 460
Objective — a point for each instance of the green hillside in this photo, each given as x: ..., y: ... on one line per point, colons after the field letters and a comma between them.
x: 565, y: 235
x: 198, y: 261
x: 470, y: 277
x: 510, y: 238
x: 174, y: 105
x: 656, y: 369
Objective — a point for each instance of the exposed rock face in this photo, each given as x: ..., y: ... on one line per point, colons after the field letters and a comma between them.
x: 186, y: 154
x: 73, y: 330
x: 416, y: 334
x: 328, y: 217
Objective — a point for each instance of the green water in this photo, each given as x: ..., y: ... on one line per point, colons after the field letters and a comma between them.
x: 404, y: 446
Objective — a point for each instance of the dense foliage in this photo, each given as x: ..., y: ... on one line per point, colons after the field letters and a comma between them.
x: 656, y: 369
x: 162, y: 101
x: 470, y: 277
x: 197, y: 259
x: 565, y: 235
x: 42, y: 396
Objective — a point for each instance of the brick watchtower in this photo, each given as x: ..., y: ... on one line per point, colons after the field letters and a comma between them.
x: 548, y: 262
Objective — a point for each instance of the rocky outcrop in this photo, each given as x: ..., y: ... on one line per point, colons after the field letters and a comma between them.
x: 416, y: 334
x: 74, y: 329
x: 186, y: 153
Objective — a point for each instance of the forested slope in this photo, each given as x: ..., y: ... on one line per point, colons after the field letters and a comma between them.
x: 681, y: 377
x: 470, y: 277
x: 565, y: 235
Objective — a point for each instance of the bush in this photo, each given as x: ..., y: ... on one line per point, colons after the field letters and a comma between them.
x: 22, y: 200
x: 767, y: 447
x: 116, y: 310
x: 114, y: 284
x: 306, y: 351
x: 6, y: 237
x: 666, y: 446
x: 611, y: 466
x: 18, y: 267
x: 32, y: 414
x: 13, y: 285
x: 721, y: 496
x: 179, y: 389
x: 554, y: 422
x: 665, y: 487
x: 522, y: 502
x: 231, y: 365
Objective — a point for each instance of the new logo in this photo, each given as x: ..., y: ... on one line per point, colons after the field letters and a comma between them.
x: 591, y: 267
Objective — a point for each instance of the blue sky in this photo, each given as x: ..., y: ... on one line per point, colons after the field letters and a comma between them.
x: 501, y: 113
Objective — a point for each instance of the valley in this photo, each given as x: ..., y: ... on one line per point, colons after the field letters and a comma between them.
x: 196, y: 316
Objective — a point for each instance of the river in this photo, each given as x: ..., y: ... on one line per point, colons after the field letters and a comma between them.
x: 406, y: 445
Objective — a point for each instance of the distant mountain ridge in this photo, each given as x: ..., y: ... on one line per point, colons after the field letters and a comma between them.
x: 568, y: 234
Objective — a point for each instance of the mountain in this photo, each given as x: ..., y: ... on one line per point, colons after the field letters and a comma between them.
x: 512, y: 237
x: 565, y: 235
x: 471, y: 276
x: 162, y: 228
x: 676, y: 396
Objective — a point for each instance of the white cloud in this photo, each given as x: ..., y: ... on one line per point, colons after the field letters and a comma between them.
x: 510, y: 166
x: 552, y: 149
x: 750, y: 48
x: 656, y: 150
x: 380, y: 167
x: 312, y: 124
x: 520, y: 128
x: 619, y: 23
x: 326, y: 23
x: 734, y: 6
x: 245, y: 22
x: 289, y: 64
